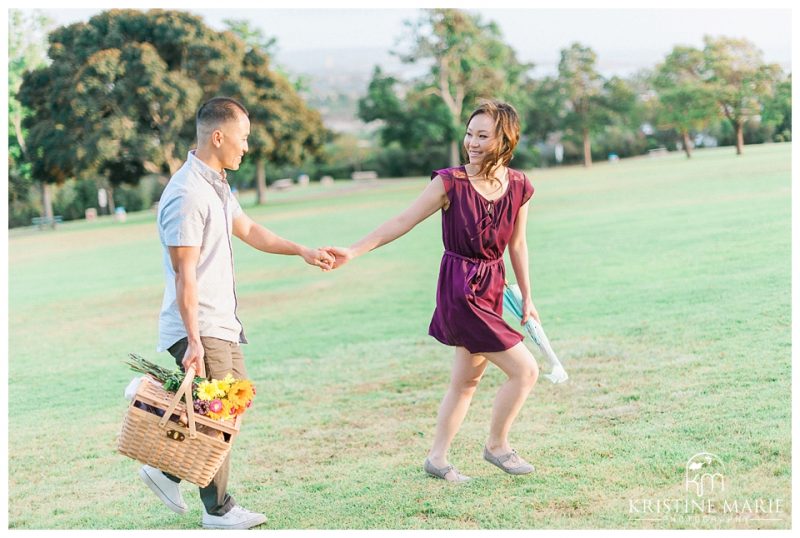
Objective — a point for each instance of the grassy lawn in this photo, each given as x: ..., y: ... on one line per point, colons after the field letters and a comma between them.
x: 664, y: 284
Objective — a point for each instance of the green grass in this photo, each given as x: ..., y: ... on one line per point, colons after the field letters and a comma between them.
x: 664, y: 284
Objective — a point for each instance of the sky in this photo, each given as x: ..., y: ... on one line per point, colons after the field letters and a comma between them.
x: 624, y: 39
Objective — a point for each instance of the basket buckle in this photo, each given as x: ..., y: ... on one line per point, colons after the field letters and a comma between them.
x: 175, y: 435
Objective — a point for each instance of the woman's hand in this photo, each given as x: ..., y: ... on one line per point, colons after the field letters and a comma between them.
x: 318, y: 257
x: 341, y: 255
x: 529, y: 311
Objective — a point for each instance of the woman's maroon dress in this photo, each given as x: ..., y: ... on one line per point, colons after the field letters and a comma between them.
x: 475, y: 232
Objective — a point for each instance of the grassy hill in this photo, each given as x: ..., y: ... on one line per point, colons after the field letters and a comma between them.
x: 664, y: 284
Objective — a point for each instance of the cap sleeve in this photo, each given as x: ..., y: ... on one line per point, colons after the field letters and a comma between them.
x: 527, y: 189
x: 447, y: 179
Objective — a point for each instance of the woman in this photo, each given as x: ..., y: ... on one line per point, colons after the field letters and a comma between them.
x: 484, y: 209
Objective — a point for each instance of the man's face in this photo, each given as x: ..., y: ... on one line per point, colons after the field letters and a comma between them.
x: 233, y: 145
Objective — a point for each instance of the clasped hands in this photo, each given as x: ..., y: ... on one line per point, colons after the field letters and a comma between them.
x: 327, y: 258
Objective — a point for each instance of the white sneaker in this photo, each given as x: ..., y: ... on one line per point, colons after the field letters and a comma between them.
x: 168, y: 491
x: 236, y: 518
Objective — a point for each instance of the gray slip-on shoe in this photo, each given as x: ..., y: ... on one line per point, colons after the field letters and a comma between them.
x: 516, y: 464
x: 442, y: 472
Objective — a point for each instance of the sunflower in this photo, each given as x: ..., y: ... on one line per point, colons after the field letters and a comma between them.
x: 241, y: 393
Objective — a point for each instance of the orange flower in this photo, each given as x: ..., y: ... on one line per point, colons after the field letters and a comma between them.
x: 241, y: 393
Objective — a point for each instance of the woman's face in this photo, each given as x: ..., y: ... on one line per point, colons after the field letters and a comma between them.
x: 480, y: 139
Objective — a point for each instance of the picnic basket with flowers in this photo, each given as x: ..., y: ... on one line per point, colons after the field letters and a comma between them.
x: 182, y: 424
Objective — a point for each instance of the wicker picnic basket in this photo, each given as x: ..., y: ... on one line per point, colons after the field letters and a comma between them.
x: 153, y: 433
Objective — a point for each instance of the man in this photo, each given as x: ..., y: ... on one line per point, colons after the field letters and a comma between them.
x: 198, y: 325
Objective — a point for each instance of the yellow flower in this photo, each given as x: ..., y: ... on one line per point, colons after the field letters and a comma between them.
x: 241, y: 393
x: 225, y: 383
x: 206, y: 391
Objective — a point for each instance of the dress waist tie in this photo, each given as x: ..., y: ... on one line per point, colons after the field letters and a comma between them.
x: 478, y: 269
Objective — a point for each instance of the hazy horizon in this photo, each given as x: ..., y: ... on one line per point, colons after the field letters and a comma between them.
x: 625, y: 40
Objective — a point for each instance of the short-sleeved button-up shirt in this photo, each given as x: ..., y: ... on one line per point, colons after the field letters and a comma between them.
x: 197, y: 210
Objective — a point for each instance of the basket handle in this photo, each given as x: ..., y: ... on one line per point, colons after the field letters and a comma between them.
x: 184, y: 389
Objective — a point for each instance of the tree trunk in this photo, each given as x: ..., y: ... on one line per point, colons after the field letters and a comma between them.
x: 47, y: 200
x: 739, y: 138
x: 111, y: 206
x: 261, y: 181
x: 587, y: 148
x: 455, y: 158
x: 687, y: 147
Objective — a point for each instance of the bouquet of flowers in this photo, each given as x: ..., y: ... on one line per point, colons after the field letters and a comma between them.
x: 217, y: 399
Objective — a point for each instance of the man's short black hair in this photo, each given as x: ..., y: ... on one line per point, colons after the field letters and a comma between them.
x: 219, y: 110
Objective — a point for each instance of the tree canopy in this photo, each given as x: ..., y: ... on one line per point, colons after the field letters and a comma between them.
x: 468, y: 61
x: 119, y: 98
x: 741, y: 81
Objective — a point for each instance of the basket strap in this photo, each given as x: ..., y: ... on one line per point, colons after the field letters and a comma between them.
x: 184, y: 389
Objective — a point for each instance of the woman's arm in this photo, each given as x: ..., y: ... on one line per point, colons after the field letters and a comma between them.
x: 518, y: 252
x: 433, y: 198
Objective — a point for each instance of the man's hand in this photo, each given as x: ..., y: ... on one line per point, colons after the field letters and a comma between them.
x: 340, y: 254
x: 194, y: 357
x: 318, y: 257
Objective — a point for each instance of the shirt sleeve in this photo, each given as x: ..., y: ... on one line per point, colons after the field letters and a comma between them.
x: 183, y: 219
x: 236, y: 209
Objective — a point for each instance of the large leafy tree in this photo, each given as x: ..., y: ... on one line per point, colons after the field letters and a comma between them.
x: 468, y: 61
x: 119, y: 98
x: 582, y: 87
x: 592, y: 103
x: 686, y: 103
x: 740, y: 79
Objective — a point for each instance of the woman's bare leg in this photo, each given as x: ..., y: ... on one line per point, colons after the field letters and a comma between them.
x: 522, y: 371
x: 466, y: 373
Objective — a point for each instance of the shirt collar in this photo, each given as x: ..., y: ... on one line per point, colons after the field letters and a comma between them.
x: 208, y: 173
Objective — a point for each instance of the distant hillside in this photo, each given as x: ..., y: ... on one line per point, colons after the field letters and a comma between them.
x: 339, y: 77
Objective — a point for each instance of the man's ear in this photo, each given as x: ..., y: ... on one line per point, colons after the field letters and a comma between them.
x: 216, y: 138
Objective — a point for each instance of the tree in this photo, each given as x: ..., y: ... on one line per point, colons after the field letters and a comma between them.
x: 544, y: 108
x: 283, y: 129
x: 740, y: 80
x: 119, y: 99
x: 468, y: 60
x: 26, y: 51
x: 419, y: 123
x: 777, y: 110
x: 685, y: 102
x: 582, y: 87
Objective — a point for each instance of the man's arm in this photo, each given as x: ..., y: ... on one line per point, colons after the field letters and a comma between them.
x: 184, y: 263
x: 260, y: 238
